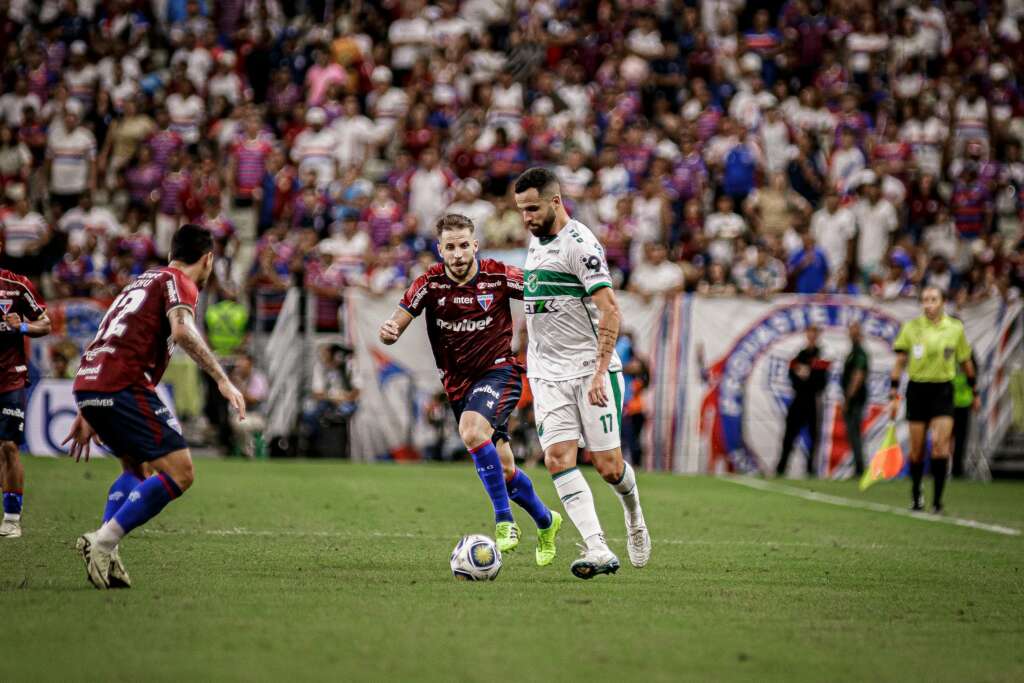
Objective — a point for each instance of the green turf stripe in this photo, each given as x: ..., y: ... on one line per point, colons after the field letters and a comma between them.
x: 544, y: 290
x: 599, y: 285
x: 563, y: 473
x: 554, y: 276
x: 617, y: 393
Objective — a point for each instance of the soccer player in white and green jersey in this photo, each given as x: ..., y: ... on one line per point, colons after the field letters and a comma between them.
x: 572, y: 321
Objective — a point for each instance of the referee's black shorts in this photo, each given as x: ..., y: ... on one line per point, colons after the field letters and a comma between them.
x: 928, y: 400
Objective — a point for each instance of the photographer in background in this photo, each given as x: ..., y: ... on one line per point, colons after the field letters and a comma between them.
x: 336, y: 396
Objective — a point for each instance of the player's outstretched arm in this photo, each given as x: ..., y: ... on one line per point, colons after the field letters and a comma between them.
x: 185, y: 335
x: 607, y: 334
x: 393, y: 327
x: 34, y: 328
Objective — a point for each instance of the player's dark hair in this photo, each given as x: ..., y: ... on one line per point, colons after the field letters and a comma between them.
x: 453, y: 221
x: 940, y: 290
x: 537, y: 178
x: 191, y: 243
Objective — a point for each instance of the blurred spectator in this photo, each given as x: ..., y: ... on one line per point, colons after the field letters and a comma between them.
x: 655, y: 274
x: 876, y: 221
x: 252, y: 382
x: 759, y: 274
x: 809, y: 267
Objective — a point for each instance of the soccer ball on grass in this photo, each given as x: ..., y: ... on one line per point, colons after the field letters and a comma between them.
x: 476, y: 558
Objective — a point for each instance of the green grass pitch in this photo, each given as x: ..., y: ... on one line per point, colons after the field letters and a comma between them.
x: 292, y: 571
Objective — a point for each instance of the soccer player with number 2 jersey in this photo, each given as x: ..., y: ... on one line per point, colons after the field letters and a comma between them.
x: 118, y: 405
x: 469, y: 324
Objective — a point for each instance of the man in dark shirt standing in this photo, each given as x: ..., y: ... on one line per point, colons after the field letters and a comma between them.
x: 855, y: 395
x: 808, y: 373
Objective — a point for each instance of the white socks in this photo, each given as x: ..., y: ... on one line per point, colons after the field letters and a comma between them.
x: 109, y: 535
x: 578, y: 502
x: 8, y: 517
x: 629, y: 495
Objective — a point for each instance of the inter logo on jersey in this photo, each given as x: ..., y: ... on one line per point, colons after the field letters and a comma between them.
x: 485, y: 300
x: 5, y: 305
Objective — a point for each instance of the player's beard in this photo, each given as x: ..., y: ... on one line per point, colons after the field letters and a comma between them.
x: 544, y: 229
x: 459, y: 272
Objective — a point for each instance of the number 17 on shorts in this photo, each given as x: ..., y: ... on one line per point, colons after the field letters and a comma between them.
x: 564, y: 413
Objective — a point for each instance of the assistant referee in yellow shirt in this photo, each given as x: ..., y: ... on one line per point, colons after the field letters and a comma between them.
x: 930, y: 348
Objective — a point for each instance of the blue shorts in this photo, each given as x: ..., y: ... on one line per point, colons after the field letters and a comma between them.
x: 133, y: 423
x: 12, y: 416
x: 494, y: 396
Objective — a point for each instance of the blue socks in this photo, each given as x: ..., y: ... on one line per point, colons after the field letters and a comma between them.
x: 118, y: 493
x: 145, y: 501
x: 488, y: 467
x: 520, y: 489
x: 12, y: 502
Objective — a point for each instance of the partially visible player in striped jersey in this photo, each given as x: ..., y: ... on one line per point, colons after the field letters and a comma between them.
x: 23, y: 316
x: 573, y: 322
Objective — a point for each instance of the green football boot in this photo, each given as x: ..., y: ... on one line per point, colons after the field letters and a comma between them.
x: 546, y: 550
x: 506, y: 534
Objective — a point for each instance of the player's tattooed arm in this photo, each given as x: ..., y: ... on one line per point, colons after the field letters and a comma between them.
x: 393, y: 327
x: 607, y: 334
x: 185, y: 335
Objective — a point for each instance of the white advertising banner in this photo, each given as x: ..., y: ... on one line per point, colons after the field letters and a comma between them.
x: 735, y: 390
x: 719, y: 375
x: 51, y: 410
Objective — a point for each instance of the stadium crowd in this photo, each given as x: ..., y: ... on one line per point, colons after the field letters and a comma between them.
x: 850, y: 147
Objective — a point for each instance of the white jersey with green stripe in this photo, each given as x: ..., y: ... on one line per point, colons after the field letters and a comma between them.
x: 560, y: 275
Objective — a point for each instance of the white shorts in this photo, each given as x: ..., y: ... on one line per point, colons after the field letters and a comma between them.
x: 564, y: 413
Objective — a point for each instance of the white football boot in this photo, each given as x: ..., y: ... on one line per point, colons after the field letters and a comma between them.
x: 594, y: 561
x: 10, y: 528
x: 97, y: 562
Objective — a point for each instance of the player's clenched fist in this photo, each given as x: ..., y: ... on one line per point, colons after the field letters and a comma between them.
x: 389, y: 332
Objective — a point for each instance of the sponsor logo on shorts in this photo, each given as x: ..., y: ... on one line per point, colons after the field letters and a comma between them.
x: 13, y: 412
x: 464, y: 325
x: 134, y: 496
x: 116, y: 495
x: 486, y: 389
x: 96, y: 403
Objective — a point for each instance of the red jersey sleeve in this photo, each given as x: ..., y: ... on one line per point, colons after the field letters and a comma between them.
x: 514, y: 282
x: 181, y: 292
x: 34, y: 306
x: 414, y: 297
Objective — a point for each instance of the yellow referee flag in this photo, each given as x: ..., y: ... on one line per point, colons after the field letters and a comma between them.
x: 887, y: 462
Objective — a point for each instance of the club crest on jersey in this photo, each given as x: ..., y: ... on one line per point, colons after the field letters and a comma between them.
x: 5, y: 305
x: 485, y: 300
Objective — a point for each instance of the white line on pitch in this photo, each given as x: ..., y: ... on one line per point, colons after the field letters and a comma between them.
x: 868, y: 505
x: 299, y: 533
